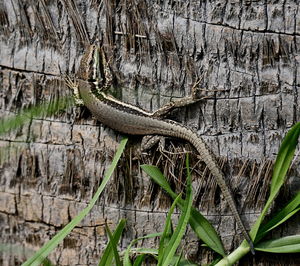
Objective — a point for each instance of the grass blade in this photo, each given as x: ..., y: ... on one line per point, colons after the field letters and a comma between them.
x: 107, y: 255
x: 287, y: 212
x: 42, y: 110
x: 43, y: 252
x: 146, y: 251
x: 114, y: 244
x: 203, y: 229
x: 139, y: 260
x: 175, y: 240
x: 126, y: 260
x: 288, y: 244
x: 284, y: 158
x: 282, y: 164
x: 178, y: 260
x: 167, y: 233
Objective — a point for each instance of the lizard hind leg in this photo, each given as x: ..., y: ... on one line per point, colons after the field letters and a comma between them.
x: 149, y: 141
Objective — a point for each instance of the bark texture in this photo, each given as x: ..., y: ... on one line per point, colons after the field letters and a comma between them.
x: 246, y: 54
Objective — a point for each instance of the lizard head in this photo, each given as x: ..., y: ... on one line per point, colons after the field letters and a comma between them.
x: 92, y: 65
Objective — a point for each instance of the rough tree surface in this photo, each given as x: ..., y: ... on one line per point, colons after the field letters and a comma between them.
x: 244, y: 53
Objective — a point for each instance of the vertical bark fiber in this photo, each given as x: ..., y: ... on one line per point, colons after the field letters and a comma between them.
x: 246, y: 54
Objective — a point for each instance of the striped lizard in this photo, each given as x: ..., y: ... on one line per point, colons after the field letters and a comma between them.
x: 94, y: 78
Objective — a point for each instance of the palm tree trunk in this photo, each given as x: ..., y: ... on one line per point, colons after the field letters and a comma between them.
x: 245, y: 55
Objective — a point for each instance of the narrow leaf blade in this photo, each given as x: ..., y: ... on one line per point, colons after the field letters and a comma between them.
x: 165, y: 238
x: 114, y: 243
x: 44, y: 251
x: 203, y: 229
x: 175, y: 240
x: 288, y: 244
x: 287, y: 212
x: 126, y: 260
x: 282, y: 164
x: 107, y: 255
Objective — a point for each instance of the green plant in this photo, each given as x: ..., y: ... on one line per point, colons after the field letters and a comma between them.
x: 169, y: 238
x: 43, y: 252
x: 288, y: 244
x: 205, y: 232
x: 45, y: 109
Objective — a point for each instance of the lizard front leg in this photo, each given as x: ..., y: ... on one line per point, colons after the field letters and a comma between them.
x: 188, y: 100
x: 149, y: 141
x: 74, y: 87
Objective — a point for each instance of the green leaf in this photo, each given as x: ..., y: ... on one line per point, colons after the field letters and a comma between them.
x: 282, y: 164
x: 167, y: 233
x: 284, y: 158
x: 287, y: 212
x: 43, y: 252
x: 175, y: 240
x: 146, y: 251
x: 176, y: 259
x: 126, y: 260
x: 288, y: 244
x: 114, y: 244
x: 203, y: 229
x: 24, y: 116
x: 107, y: 256
x: 179, y: 261
x: 139, y: 260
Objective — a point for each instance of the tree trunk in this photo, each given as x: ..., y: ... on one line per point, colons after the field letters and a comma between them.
x: 244, y: 54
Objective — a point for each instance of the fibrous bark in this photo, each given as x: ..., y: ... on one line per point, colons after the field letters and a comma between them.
x: 245, y: 54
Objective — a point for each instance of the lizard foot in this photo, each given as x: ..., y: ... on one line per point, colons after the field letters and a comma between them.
x: 149, y: 141
x: 74, y: 87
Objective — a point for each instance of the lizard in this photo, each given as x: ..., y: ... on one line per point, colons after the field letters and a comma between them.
x: 93, y: 79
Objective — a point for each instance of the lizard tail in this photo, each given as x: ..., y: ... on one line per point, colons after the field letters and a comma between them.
x: 210, y: 160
